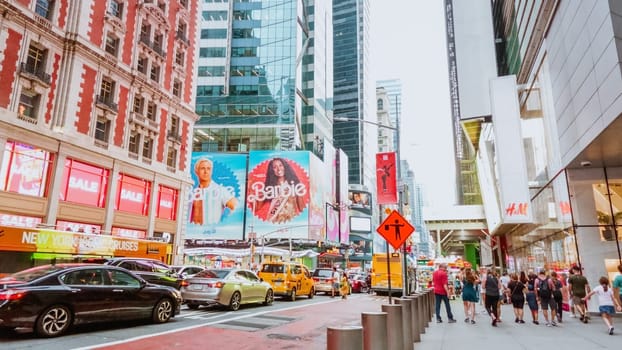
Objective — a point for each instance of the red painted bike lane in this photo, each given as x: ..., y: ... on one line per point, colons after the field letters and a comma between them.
x: 307, y: 330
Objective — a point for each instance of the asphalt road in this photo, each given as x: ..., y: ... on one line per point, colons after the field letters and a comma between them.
x: 249, y: 317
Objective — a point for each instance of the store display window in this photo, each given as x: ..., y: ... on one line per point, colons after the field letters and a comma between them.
x: 84, y: 184
x: 25, y: 169
x: 167, y: 203
x: 133, y: 195
x: 128, y: 232
x: 19, y: 220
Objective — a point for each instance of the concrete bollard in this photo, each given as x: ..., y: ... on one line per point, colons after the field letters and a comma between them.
x: 344, y: 338
x: 415, y: 317
x: 407, y: 322
x: 374, y: 330
x: 395, y: 333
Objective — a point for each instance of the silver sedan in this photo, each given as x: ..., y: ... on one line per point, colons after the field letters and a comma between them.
x: 227, y: 287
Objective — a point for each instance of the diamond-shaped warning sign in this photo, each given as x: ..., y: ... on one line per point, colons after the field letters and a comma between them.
x: 395, y: 229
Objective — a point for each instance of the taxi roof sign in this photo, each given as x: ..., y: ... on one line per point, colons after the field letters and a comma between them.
x: 395, y: 229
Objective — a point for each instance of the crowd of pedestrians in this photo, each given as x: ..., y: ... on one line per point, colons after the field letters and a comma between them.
x: 551, y: 293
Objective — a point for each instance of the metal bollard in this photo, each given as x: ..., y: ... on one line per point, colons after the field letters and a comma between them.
x: 395, y: 333
x: 423, y: 321
x: 415, y: 317
x: 407, y: 322
x: 431, y: 304
x: 374, y: 330
x: 344, y: 338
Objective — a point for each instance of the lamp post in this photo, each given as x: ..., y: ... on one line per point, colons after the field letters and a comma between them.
x: 399, y: 175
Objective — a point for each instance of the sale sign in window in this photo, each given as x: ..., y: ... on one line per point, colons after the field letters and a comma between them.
x: 133, y: 195
x: 25, y: 169
x: 83, y: 183
x: 167, y: 203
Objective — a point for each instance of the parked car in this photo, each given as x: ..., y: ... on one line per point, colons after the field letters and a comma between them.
x: 288, y: 279
x: 358, y: 284
x: 152, y: 271
x: 227, y: 287
x: 323, y: 278
x: 50, y: 299
x: 186, y: 271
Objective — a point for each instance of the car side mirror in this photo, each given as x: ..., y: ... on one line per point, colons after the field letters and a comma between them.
x: 143, y: 284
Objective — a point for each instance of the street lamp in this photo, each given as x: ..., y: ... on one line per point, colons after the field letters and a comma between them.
x: 399, y: 175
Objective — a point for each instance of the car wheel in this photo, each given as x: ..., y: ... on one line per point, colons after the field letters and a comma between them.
x: 292, y: 296
x: 312, y: 293
x: 193, y: 306
x: 54, y: 321
x: 163, y: 311
x: 236, y: 300
x: 269, y: 297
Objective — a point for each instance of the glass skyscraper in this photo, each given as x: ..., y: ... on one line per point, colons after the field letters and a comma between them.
x: 264, y: 75
x: 354, y: 90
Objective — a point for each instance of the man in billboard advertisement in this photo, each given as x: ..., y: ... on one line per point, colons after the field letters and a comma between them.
x: 360, y: 201
x: 278, y: 190
x: 215, y: 199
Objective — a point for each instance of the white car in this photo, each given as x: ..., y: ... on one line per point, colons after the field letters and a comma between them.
x: 186, y: 271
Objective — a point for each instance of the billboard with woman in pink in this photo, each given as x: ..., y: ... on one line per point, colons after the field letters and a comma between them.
x: 278, y: 194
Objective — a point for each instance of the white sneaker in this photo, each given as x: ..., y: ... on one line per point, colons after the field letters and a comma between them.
x: 573, y: 316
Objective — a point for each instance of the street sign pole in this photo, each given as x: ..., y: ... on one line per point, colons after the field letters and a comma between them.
x: 389, y: 270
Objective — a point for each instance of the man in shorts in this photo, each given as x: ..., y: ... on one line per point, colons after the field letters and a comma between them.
x: 579, y: 288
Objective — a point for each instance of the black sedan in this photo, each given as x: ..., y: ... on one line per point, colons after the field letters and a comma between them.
x: 51, y: 298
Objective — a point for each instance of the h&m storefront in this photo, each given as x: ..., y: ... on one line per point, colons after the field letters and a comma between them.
x: 579, y: 221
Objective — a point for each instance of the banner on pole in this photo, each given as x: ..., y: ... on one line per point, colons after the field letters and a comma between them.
x: 386, y: 178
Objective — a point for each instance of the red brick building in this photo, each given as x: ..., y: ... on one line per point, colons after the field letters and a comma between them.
x: 96, y: 115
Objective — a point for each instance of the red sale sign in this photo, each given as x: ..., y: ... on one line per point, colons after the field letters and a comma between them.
x: 133, y: 194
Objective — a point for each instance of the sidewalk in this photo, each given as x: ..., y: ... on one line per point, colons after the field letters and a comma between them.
x: 571, y: 334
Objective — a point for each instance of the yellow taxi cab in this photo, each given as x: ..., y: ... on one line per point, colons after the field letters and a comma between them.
x: 288, y: 279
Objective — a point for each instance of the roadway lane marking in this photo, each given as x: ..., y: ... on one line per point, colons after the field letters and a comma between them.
x: 200, y: 325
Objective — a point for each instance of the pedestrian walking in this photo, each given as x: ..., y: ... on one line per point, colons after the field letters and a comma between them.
x: 482, y: 289
x: 469, y: 295
x: 544, y: 291
x: 579, y: 287
x: 517, y: 297
x: 530, y: 296
x: 569, y: 292
x: 617, y: 285
x: 505, y: 280
x: 493, y: 286
x: 557, y: 295
x: 606, y: 302
x: 344, y: 286
x: 334, y: 282
x: 441, y: 292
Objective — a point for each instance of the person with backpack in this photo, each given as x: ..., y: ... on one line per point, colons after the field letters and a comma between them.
x: 544, y: 291
x: 557, y: 295
x: 606, y: 302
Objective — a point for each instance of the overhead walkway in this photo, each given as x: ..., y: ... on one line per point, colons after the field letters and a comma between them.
x: 452, y: 227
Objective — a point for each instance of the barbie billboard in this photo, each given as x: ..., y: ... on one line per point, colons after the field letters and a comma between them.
x: 277, y: 196
x: 216, y: 199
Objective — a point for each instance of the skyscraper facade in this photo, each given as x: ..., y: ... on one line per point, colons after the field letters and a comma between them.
x: 264, y: 76
x: 354, y: 89
x: 393, y: 88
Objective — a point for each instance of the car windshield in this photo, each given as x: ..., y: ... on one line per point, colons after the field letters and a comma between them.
x: 218, y: 274
x: 322, y: 273
x: 32, y: 273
